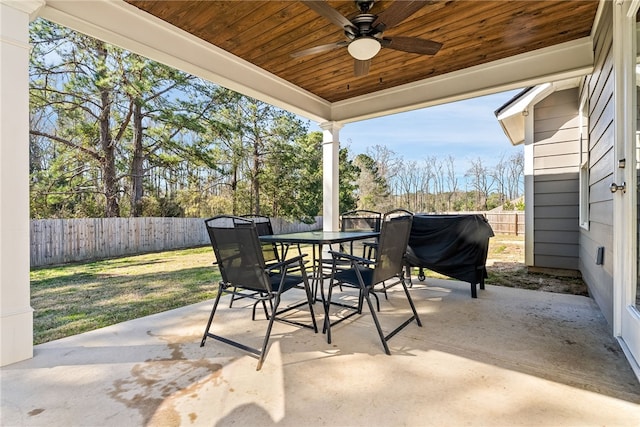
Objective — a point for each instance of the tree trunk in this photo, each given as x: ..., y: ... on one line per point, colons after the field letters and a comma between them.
x: 137, y: 163
x: 234, y: 189
x: 255, y: 184
x: 108, y: 161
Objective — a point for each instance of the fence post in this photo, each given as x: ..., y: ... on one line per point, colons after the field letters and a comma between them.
x: 516, y: 216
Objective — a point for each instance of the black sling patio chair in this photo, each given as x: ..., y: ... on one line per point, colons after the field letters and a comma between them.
x: 240, y: 258
x: 263, y: 228
x: 381, y: 273
x: 361, y: 220
x: 269, y: 250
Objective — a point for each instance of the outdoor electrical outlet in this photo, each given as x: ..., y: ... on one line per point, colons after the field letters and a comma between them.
x: 600, y: 255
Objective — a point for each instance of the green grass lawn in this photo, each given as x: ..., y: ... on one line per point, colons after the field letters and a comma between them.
x: 76, y: 298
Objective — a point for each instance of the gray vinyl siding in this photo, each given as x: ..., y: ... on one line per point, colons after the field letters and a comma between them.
x: 600, y: 88
x: 556, y: 159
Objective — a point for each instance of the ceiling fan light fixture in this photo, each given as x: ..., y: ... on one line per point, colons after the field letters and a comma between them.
x: 364, y: 48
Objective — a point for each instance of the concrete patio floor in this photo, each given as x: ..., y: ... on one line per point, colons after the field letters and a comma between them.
x: 509, y: 358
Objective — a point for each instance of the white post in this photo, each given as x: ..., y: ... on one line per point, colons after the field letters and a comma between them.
x: 529, y: 187
x: 16, y: 315
x: 330, y: 183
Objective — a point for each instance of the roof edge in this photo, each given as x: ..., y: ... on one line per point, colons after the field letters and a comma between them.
x: 511, y: 115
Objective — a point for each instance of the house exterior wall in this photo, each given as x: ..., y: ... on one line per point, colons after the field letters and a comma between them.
x: 556, y: 158
x: 638, y: 190
x: 600, y: 88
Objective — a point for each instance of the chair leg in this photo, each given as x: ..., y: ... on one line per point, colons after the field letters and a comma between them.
x: 263, y: 351
x: 413, y: 307
x: 377, y: 323
x: 310, y: 297
x: 361, y: 301
x: 377, y: 299
x: 264, y: 307
x: 213, y: 312
x: 327, y: 305
x: 384, y: 291
x: 233, y: 297
x: 407, y: 274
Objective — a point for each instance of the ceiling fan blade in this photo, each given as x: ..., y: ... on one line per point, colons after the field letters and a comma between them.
x: 323, y: 9
x: 396, y: 13
x: 412, y: 45
x: 361, y: 68
x: 319, y: 49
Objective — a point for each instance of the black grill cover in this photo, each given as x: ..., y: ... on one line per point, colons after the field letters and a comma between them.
x: 453, y: 245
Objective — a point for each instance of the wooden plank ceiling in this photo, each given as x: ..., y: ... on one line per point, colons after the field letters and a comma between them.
x: 472, y: 32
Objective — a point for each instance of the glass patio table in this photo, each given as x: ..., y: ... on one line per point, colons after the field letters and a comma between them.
x: 317, y: 239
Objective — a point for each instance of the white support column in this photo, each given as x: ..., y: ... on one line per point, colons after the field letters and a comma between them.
x: 330, y: 176
x: 16, y: 315
x: 529, y: 188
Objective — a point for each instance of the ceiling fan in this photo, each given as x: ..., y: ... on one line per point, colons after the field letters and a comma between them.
x: 364, y: 32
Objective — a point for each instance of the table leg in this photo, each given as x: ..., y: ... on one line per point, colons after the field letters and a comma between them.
x: 314, y: 266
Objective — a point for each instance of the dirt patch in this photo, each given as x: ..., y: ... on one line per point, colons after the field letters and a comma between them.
x: 505, y: 267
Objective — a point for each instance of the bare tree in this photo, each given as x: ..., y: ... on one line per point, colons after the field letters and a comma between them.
x: 431, y: 164
x: 423, y: 184
x: 388, y: 165
x: 499, y: 177
x: 452, y: 181
x: 439, y: 181
x: 407, y: 179
x: 515, y: 175
x: 478, y: 175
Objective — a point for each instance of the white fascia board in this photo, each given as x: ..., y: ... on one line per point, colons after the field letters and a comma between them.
x: 563, y: 61
x: 121, y: 24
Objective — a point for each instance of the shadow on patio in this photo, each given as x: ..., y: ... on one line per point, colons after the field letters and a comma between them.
x: 510, y: 357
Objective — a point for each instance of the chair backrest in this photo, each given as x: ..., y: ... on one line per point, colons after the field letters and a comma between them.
x: 392, y: 244
x: 360, y: 220
x: 264, y: 228
x: 263, y: 223
x: 238, y: 252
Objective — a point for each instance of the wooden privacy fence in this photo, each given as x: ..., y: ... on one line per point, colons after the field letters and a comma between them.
x: 506, y: 222
x: 59, y: 241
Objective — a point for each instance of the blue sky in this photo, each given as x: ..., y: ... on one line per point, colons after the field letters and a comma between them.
x: 464, y: 129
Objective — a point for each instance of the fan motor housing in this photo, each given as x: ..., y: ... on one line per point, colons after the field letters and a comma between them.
x: 362, y: 26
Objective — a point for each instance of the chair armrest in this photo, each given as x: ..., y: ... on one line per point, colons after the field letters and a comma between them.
x: 286, y: 262
x: 360, y: 260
